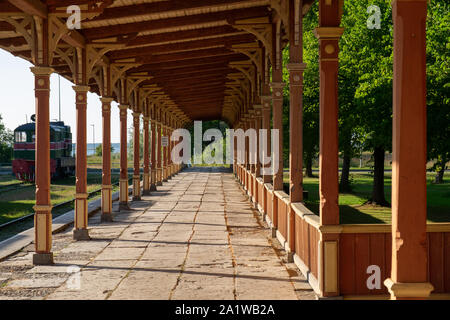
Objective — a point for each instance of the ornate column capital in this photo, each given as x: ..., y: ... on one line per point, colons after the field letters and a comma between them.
x: 81, y: 95
x: 277, y: 90
x: 81, y: 88
x: 136, y: 114
x: 328, y: 32
x: 266, y: 102
x: 42, y: 71
x: 124, y: 106
x: 106, y: 100
x: 296, y: 66
x: 258, y: 110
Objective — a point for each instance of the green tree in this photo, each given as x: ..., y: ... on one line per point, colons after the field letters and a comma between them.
x: 366, y: 61
x: 99, y: 150
x: 131, y: 142
x: 6, y: 143
x: 438, y: 86
x: 311, y: 85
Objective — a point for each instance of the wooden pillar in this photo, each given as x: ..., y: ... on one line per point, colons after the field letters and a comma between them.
x: 409, y: 272
x: 159, y: 168
x: 251, y: 154
x: 169, y: 150
x: 258, y: 126
x: 258, y: 118
x: 146, y: 156
x: 106, y: 161
x: 247, y: 154
x: 266, y: 113
x: 153, y: 154
x: 123, y: 180
x: 328, y: 34
x: 136, y: 155
x: 296, y: 68
x: 43, y: 207
x: 277, y: 101
x: 80, y: 231
x: 164, y: 151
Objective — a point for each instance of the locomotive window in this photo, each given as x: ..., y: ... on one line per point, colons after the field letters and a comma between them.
x: 21, y: 136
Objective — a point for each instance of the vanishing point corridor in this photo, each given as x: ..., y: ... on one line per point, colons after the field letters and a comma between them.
x: 197, y: 237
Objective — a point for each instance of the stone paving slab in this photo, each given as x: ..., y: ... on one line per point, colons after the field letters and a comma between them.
x: 197, y: 237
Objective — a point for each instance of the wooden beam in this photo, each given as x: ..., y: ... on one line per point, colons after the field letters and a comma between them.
x: 165, y: 7
x: 31, y: 7
x: 225, y: 41
x: 75, y: 39
x: 181, y: 35
x: 191, y: 62
x: 203, y: 53
x: 154, y: 25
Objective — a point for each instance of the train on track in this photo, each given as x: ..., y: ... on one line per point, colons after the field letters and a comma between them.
x: 61, y: 161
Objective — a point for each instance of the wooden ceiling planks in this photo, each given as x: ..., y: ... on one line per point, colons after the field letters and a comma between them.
x: 183, y: 47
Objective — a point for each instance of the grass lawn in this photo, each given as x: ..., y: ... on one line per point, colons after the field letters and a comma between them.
x: 7, y: 179
x: 95, y: 162
x: 353, y: 209
x: 19, y: 202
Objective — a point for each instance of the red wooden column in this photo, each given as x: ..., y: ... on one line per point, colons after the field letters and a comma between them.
x: 266, y: 113
x: 153, y: 152
x: 43, y: 207
x: 234, y: 144
x: 136, y: 155
x: 159, y: 169
x: 247, y: 154
x: 123, y: 182
x: 267, y: 176
x: 146, y: 156
x: 252, y: 171
x: 80, y: 231
x: 258, y: 119
x: 277, y: 86
x: 106, y: 161
x: 164, y: 148
x: 328, y: 34
x: 409, y: 195
x: 296, y: 68
x: 169, y: 146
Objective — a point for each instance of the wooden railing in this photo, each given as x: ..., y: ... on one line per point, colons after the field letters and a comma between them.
x: 359, y: 246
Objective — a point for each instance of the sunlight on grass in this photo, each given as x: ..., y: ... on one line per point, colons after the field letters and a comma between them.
x: 17, y: 203
x: 353, y: 207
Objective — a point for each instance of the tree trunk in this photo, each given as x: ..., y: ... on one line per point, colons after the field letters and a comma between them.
x: 378, y: 197
x: 440, y: 172
x: 344, y: 184
x: 308, y: 164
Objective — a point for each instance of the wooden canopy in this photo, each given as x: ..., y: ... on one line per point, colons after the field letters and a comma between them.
x: 205, y: 58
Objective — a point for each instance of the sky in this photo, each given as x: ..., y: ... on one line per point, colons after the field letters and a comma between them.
x: 17, y: 100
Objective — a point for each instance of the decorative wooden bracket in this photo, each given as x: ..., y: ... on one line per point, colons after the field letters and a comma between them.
x: 248, y: 69
x: 95, y: 52
x: 282, y: 8
x: 261, y: 28
x: 251, y: 50
x: 25, y: 25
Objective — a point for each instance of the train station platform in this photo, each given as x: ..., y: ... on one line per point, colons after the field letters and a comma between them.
x: 197, y: 237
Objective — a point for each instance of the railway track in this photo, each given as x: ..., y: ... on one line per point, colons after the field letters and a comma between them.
x: 13, y: 186
x: 62, y: 204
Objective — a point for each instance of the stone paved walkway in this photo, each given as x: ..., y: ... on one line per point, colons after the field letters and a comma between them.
x: 197, y: 237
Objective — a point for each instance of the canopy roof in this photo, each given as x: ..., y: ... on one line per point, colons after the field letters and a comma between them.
x: 202, y: 56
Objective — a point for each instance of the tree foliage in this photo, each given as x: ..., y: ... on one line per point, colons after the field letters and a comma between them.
x: 438, y: 85
x: 6, y: 143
